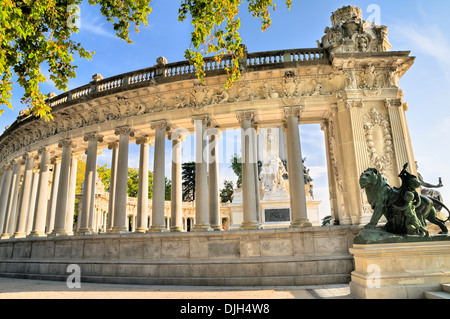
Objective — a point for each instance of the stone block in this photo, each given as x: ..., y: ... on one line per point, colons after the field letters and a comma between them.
x: 223, y: 248
x: 175, y: 249
x: 399, y: 270
x: 276, y: 247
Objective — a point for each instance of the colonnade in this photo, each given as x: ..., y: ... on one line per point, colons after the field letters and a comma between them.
x: 28, y: 207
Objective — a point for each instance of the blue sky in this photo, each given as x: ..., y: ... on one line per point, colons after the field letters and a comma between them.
x: 416, y: 26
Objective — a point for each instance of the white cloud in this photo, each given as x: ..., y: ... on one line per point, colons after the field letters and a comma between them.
x: 427, y: 39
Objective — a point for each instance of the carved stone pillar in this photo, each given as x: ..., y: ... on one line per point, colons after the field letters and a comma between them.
x: 88, y: 202
x: 24, y: 200
x: 120, y: 196
x: 158, y: 197
x: 63, y: 189
x: 249, y: 158
x: 53, y: 195
x: 71, y: 195
x: 11, y: 208
x: 213, y: 176
x: 400, y: 135
x: 142, y: 205
x: 296, y: 174
x: 6, y: 189
x: 176, y: 190
x: 201, y: 175
x: 114, y: 146
x: 41, y: 195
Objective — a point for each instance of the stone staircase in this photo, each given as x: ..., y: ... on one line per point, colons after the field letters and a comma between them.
x: 443, y: 294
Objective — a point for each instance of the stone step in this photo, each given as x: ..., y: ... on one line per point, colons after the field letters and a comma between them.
x: 446, y: 287
x: 437, y: 295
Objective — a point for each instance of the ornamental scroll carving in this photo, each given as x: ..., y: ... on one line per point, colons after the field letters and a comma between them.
x: 378, y: 135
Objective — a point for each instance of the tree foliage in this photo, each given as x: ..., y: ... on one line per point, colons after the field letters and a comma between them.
x: 226, y: 193
x: 188, y: 177
x: 37, y: 34
x: 236, y: 165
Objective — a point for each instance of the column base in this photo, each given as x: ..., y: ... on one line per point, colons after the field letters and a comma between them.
x: 85, y: 232
x: 55, y: 233
x: 37, y: 234
x: 251, y: 225
x: 217, y: 227
x: 299, y: 223
x: 5, y: 236
x: 19, y: 235
x: 201, y: 228
x: 141, y: 230
x: 177, y: 229
x: 157, y: 229
x: 119, y: 230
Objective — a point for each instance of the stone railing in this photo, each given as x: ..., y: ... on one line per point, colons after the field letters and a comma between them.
x: 182, y: 68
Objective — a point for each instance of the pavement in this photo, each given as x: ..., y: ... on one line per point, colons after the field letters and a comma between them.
x: 43, y: 289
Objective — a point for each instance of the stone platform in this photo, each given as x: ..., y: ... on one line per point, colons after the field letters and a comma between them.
x: 289, y: 257
x: 400, y: 269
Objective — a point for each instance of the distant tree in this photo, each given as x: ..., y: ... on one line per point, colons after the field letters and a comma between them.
x: 188, y: 176
x: 226, y: 193
x: 236, y: 165
x: 168, y: 190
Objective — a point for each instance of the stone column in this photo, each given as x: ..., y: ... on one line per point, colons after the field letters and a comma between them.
x: 41, y: 196
x: 114, y: 146
x: 176, y: 190
x: 33, y: 197
x: 88, y: 201
x: 213, y: 163
x: 158, y: 223
x: 63, y: 189
x: 71, y: 195
x: 53, y: 195
x: 120, y: 224
x: 201, y: 175
x: 6, y: 189
x: 249, y: 158
x: 24, y: 200
x: 297, y: 194
x: 11, y: 210
x: 142, y: 204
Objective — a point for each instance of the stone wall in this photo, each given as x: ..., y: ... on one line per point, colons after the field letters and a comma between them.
x: 305, y: 256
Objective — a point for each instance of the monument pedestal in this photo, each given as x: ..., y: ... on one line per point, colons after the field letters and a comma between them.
x: 400, y: 270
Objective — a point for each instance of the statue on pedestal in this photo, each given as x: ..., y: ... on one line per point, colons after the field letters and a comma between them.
x: 406, y: 211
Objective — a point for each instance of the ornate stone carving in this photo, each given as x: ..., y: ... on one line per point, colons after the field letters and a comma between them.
x: 245, y: 115
x: 124, y: 130
x: 350, y: 33
x: 381, y: 159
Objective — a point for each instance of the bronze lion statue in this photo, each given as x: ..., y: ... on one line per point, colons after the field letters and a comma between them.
x: 386, y: 200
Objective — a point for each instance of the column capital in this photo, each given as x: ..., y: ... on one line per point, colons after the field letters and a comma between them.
x: 124, y: 130
x: 159, y: 125
x: 144, y: 140
x: 201, y: 117
x: 43, y: 150
x: 93, y: 136
x: 66, y: 143
x: 113, y: 145
x: 349, y: 104
x: 245, y: 115
x: 55, y: 159
x: 392, y: 103
x: 178, y: 134
x: 292, y: 111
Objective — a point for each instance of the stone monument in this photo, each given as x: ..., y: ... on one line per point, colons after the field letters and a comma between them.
x: 274, y: 184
